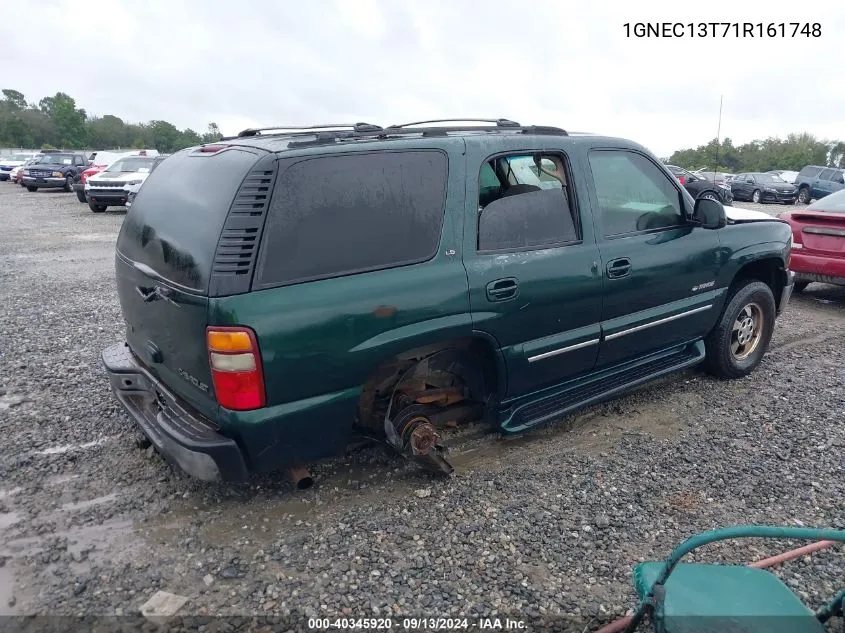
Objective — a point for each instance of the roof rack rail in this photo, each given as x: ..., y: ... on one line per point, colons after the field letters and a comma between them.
x: 309, y: 129
x: 498, y: 122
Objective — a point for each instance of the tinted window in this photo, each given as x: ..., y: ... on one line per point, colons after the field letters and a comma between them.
x: 175, y: 222
x: 834, y: 203
x: 633, y: 194
x: 339, y: 215
x: 810, y: 172
x: 826, y: 174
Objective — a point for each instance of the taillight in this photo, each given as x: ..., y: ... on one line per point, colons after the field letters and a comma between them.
x: 235, y: 368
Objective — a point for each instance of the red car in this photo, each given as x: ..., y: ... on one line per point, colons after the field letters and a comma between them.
x: 818, y: 241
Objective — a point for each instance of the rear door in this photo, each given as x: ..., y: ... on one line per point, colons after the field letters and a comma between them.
x: 164, y: 262
x: 659, y: 269
x: 532, y: 263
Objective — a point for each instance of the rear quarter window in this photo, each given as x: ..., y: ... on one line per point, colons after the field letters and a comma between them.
x: 345, y: 214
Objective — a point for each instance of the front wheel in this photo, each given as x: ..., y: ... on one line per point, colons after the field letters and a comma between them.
x: 804, y: 195
x: 97, y: 208
x: 31, y: 189
x: 80, y: 195
x: 69, y: 184
x: 709, y: 195
x: 741, y: 337
x: 755, y: 197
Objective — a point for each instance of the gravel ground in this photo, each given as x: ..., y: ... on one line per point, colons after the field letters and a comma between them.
x: 545, y: 525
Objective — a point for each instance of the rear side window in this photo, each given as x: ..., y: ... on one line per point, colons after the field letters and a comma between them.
x: 810, y: 172
x: 826, y: 174
x: 175, y: 222
x: 340, y: 215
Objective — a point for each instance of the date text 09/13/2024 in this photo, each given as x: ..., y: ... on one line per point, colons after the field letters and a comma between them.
x: 417, y: 624
x: 722, y: 29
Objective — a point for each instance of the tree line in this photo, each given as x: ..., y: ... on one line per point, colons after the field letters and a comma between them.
x: 792, y: 153
x: 56, y: 123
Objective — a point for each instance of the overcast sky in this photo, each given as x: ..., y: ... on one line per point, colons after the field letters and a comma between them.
x: 565, y: 63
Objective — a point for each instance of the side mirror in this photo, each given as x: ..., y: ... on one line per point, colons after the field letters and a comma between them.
x: 709, y: 214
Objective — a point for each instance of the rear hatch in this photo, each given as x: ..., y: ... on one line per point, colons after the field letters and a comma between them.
x: 164, y: 262
x: 820, y: 233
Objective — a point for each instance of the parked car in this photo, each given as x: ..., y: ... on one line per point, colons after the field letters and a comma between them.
x: 785, y: 175
x: 426, y: 274
x: 132, y: 190
x: 699, y: 187
x: 54, y: 170
x: 762, y: 187
x: 816, y: 182
x: 818, y: 241
x: 10, y: 162
x: 110, y: 187
x: 98, y: 161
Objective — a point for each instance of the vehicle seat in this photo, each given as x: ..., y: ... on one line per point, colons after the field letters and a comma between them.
x: 702, y: 598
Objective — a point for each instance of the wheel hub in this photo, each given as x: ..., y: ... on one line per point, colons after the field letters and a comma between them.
x: 747, y: 331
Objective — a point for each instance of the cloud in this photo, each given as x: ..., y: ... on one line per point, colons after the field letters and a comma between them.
x: 564, y: 63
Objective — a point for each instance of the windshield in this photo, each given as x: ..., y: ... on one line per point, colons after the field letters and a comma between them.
x: 131, y: 164
x: 56, y: 159
x: 834, y: 203
x: 769, y: 178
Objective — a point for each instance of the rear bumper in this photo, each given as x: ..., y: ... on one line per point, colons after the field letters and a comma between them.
x: 187, y: 438
x: 826, y: 269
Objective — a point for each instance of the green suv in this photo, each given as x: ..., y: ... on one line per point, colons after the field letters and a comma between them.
x: 289, y: 289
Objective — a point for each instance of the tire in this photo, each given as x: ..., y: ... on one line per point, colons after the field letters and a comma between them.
x: 709, y: 195
x: 741, y: 337
x: 31, y: 189
x: 804, y: 195
x: 97, y: 208
x: 80, y: 195
x: 800, y: 286
x: 69, y: 184
x: 755, y: 196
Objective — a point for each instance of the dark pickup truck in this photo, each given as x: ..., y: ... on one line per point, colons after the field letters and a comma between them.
x: 56, y: 170
x: 286, y: 291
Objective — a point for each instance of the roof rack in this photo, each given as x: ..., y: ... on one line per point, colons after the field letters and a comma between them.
x: 310, y: 129
x: 498, y: 122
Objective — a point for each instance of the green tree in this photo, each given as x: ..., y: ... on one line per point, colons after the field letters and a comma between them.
x: 14, y: 99
x: 213, y: 134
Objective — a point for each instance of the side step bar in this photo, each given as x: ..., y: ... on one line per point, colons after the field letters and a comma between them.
x: 598, y: 387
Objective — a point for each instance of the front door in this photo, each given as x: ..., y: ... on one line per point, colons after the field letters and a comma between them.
x: 533, y: 266
x: 659, y: 269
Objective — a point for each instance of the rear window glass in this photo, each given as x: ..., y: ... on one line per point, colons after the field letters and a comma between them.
x: 338, y: 215
x: 175, y: 221
x: 810, y: 172
x: 834, y: 203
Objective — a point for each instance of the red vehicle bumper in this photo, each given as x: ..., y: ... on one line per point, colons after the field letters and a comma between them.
x: 823, y: 268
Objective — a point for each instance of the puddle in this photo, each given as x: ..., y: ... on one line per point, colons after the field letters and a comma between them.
x: 88, y: 503
x: 8, y: 519
x: 58, y: 450
x: 7, y: 591
x: 89, y: 537
x: 9, y: 493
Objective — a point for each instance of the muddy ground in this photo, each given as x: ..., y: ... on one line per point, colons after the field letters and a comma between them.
x: 547, y: 524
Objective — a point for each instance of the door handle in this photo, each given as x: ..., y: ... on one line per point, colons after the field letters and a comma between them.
x: 502, y: 289
x: 617, y: 268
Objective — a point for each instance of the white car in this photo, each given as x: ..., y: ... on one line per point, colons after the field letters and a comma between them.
x: 788, y: 176
x: 111, y: 187
x: 8, y: 163
x: 134, y: 189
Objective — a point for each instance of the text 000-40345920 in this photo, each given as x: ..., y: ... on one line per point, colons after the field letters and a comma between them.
x: 722, y: 29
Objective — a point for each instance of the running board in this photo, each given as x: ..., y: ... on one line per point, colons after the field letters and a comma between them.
x: 598, y: 387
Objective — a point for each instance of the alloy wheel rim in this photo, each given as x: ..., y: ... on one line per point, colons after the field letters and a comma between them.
x: 747, y: 331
